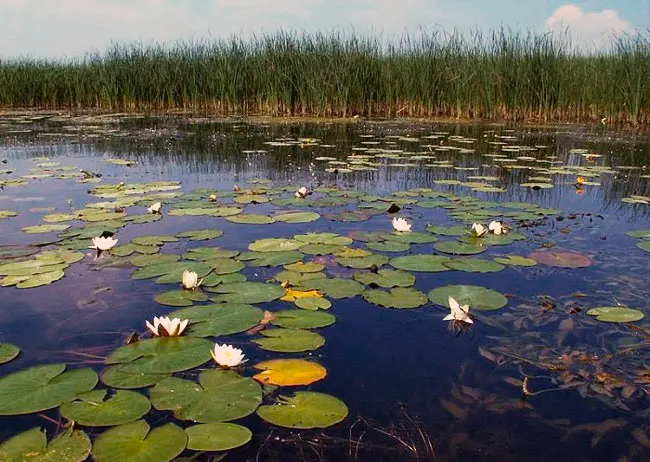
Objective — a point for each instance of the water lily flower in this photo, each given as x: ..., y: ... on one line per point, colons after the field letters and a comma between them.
x: 213, y: 198
x: 479, y: 230
x: 497, y: 227
x: 227, y: 355
x: 103, y: 244
x: 191, y: 280
x: 236, y: 188
x: 458, y: 312
x: 400, y: 224
x: 580, y: 180
x: 155, y: 208
x: 165, y: 327
x: 302, y: 193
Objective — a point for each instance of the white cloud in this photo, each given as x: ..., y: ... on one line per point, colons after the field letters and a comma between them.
x: 587, y: 29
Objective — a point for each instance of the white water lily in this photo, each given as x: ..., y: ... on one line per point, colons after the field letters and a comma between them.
x: 155, y: 208
x: 103, y: 243
x: 302, y: 193
x: 458, y: 312
x: 165, y: 327
x: 400, y: 224
x: 479, y: 230
x: 212, y: 198
x: 191, y: 280
x: 227, y: 355
x: 496, y: 227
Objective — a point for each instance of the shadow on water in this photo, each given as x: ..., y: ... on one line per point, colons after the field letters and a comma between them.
x: 416, y: 390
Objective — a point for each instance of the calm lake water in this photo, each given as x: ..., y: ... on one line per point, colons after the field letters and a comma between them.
x: 417, y: 387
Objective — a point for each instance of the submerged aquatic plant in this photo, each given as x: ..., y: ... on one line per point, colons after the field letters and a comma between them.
x: 401, y: 225
x: 227, y: 355
x: 166, y: 327
x: 191, y: 280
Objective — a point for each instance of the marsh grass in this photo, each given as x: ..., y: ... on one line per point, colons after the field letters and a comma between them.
x: 502, y: 74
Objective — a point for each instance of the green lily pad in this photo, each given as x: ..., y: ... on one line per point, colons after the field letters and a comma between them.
x: 8, y: 214
x: 115, y: 377
x: 459, y: 248
x: 209, y: 253
x: 474, y: 265
x: 616, y: 314
x: 8, y: 352
x: 217, y: 436
x: 302, y: 319
x: 44, y: 229
x: 335, y: 287
x: 153, y: 240
x: 180, y: 297
x: 150, y: 260
x: 246, y: 292
x: 218, y: 397
x: 137, y: 442
x: 42, y: 387
x: 162, y: 355
x: 96, y: 409
x: 289, y: 340
x: 219, y: 319
x: 490, y: 239
x: 447, y: 230
x: 515, y: 260
x: 398, y: 297
x: 411, y: 237
x: 313, y: 303
x: 32, y: 446
x: 309, y: 267
x: 363, y: 262
x: 297, y: 278
x: 323, y: 238
x: 305, y: 410
x: 389, y: 246
x: 251, y: 199
x: 320, y: 249
x: 250, y: 219
x: 201, y: 234
x: 386, y: 278
x: 42, y: 279
x: 641, y: 233
x: 273, y: 244
x: 212, y: 279
x: 422, y: 263
x: 297, y: 217
x: 224, y: 266
x: 644, y: 245
x: 477, y: 297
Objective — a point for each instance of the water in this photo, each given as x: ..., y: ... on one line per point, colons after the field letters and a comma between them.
x: 415, y: 389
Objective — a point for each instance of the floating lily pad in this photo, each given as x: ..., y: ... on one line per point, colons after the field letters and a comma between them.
x: 42, y: 387
x: 386, y: 278
x: 271, y: 258
x: 515, y: 260
x: 617, y: 314
x: 169, y: 273
x: 201, y: 234
x: 335, y: 287
x: 295, y: 278
x: 180, y: 297
x: 31, y: 445
x: 209, y: 253
x: 217, y: 436
x: 474, y: 265
x: 410, y: 237
x: 246, y: 292
x: 301, y: 267
x: 477, y: 297
x: 250, y: 219
x: 642, y: 233
x: 313, y: 303
x: 218, y: 397
x: 363, y: 262
x: 323, y: 238
x: 351, y: 216
x: 38, y: 229
x: 115, y: 377
x: 219, y: 319
x: 153, y: 240
x: 137, y: 442
x: 389, y: 246
x: 8, y: 352
x: 96, y: 409
x: 42, y: 279
x: 320, y: 249
x: 305, y: 410
x: 150, y: 260
x: 161, y: 355
x: 224, y: 266
x: 9, y: 214
x: 289, y: 340
x: 289, y: 372
x: 423, y: 263
x: 561, y: 259
x: 447, y: 230
x: 399, y: 297
x: 302, y: 319
x: 297, y: 217
x: 644, y: 245
x: 273, y: 244
x: 459, y: 248
x: 212, y: 279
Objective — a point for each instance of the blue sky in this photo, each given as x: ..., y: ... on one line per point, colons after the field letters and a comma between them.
x: 68, y: 28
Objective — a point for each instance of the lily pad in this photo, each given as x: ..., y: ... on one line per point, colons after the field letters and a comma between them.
x: 218, y: 397
x: 180, y: 297
x: 561, y: 259
x: 302, y: 319
x: 305, y: 410
x: 246, y: 292
x: 320, y: 249
x: 217, y: 436
x: 386, y: 278
x: 219, y: 319
x: 250, y: 219
x: 96, y: 409
x: 289, y: 372
x: 42, y: 387
x: 289, y: 340
x: 38, y: 229
x: 459, y: 248
x: 447, y: 230
x: 42, y: 279
x: 297, y: 217
x: 515, y: 260
x: 153, y: 240
x: 313, y: 303
x: 209, y: 253
x: 150, y: 260
x: 162, y: 355
x: 32, y: 446
x: 271, y: 258
x: 389, y: 246
x: 474, y: 265
x: 335, y: 287
x: 363, y: 262
x: 301, y: 267
x: 399, y: 297
x: 477, y: 297
x: 137, y: 442
x: 273, y: 244
x: 617, y: 314
x: 8, y: 352
x: 201, y: 234
x: 423, y: 263
x: 410, y: 237
x: 115, y: 377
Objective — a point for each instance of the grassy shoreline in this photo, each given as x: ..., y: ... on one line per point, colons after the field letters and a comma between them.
x: 498, y: 76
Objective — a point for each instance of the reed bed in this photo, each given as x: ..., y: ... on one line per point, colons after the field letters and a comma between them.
x: 503, y: 75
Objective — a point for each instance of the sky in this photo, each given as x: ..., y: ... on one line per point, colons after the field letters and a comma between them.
x: 71, y: 28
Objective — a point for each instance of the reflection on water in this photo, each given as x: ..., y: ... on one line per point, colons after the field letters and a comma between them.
x: 415, y: 389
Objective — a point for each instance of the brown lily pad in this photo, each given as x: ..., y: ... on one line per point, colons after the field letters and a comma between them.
x: 561, y: 258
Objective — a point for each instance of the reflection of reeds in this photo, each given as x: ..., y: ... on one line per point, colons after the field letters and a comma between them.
x: 503, y: 74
